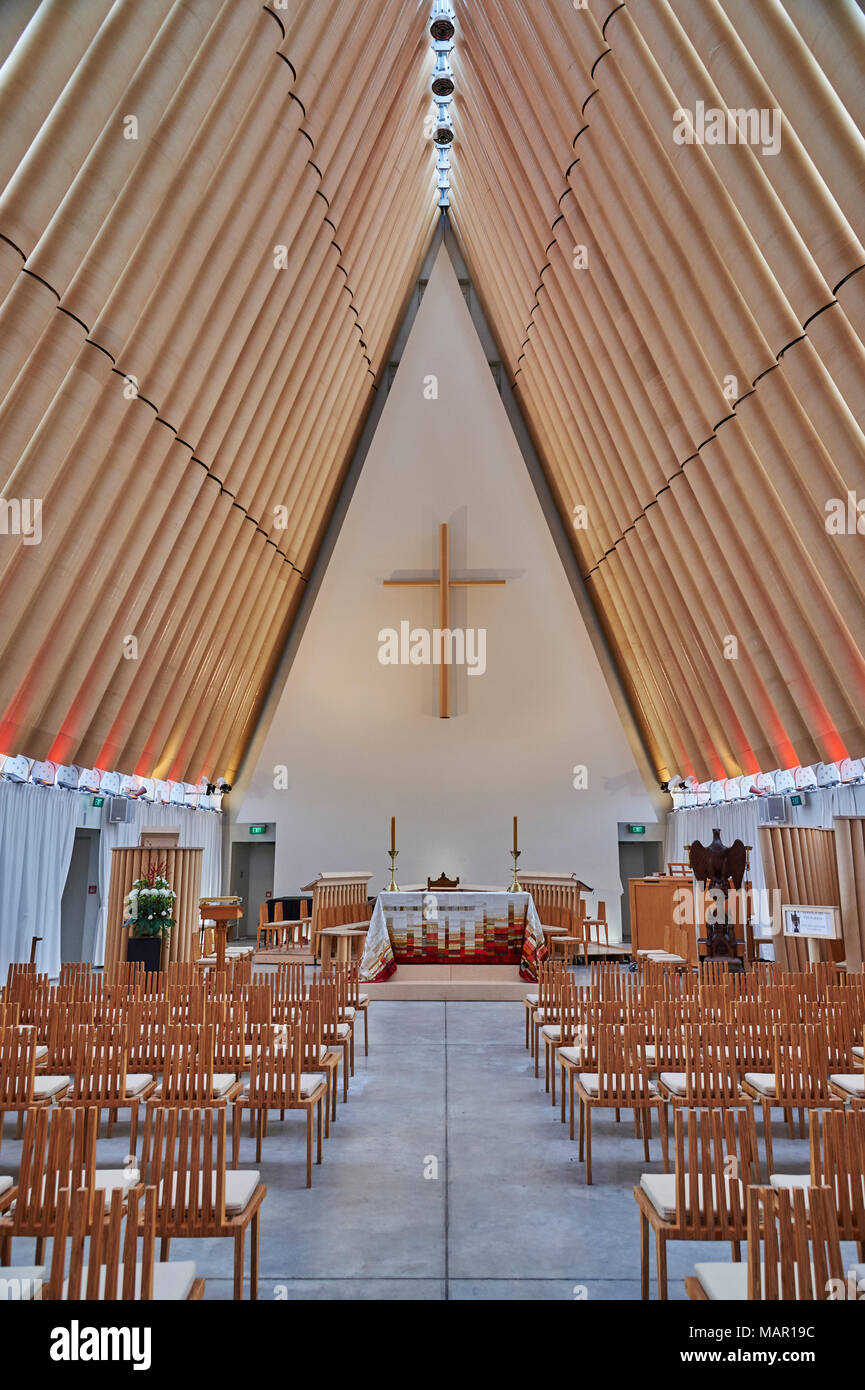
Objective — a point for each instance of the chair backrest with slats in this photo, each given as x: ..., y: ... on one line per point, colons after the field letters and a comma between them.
x: 59, y: 1150
x: 62, y: 1035
x: 801, y: 1073
x: 183, y: 1157
x: 147, y: 1031
x: 622, y: 1073
x: 110, y: 1255
x: 801, y: 1255
x: 288, y: 980
x: 187, y: 1072
x: 838, y: 1161
x: 710, y: 1077
x: 100, y: 1065
x: 716, y: 1161
x: 276, y: 1067
x: 17, y: 1066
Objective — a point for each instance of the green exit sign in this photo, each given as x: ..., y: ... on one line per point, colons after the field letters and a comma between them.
x: 795, y: 801
x: 98, y: 801
x: 258, y: 830
x: 636, y: 830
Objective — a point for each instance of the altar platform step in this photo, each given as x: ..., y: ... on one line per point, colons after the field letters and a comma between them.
x: 451, y: 982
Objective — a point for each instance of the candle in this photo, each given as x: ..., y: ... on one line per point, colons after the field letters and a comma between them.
x: 515, y: 835
x: 393, y: 832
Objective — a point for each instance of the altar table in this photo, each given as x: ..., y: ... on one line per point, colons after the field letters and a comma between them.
x: 452, y: 929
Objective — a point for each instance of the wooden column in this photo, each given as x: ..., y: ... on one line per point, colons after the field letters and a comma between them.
x: 182, y: 868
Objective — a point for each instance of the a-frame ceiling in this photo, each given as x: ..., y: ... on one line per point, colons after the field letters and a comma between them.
x: 211, y: 220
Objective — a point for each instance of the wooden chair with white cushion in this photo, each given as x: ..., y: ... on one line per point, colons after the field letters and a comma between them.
x: 704, y: 1198
x: 800, y: 1259
x: 184, y: 1158
x: 849, y: 1087
x: 20, y: 1087
x: 107, y: 1265
x: 799, y: 1080
x: 837, y: 1141
x: 277, y: 1082
x: 621, y: 1082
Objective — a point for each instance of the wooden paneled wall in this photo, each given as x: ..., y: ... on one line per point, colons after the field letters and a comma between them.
x: 182, y: 868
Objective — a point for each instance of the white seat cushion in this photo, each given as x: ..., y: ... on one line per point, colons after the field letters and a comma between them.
x: 5, y: 1184
x: 782, y: 1180
x: 137, y: 1082
x: 223, y: 1081
x: 660, y: 1188
x: 851, y: 1082
x: 109, y: 1179
x: 172, y: 1281
x: 762, y: 1081
x: 859, y: 1051
x: 19, y: 1283
x: 50, y: 1085
x: 348, y: 1012
x: 240, y: 1183
x: 310, y: 1081
x: 589, y: 1082
x: 727, y: 1283
x: 724, y: 1283
x: 551, y: 1031
x: 41, y: 1051
x: 342, y: 1030
x: 675, y: 1081
x: 532, y: 998
x: 571, y: 1054
x: 650, y: 1052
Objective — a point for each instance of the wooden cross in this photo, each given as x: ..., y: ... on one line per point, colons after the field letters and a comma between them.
x: 443, y: 582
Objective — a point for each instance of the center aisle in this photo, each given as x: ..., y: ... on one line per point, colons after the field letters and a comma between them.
x: 447, y: 1090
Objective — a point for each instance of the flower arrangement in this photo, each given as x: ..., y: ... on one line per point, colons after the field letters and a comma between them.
x: 150, y: 904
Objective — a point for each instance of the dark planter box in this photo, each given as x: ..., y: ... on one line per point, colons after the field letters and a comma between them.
x: 147, y: 949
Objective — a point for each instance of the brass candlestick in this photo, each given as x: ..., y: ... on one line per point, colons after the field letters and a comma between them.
x: 391, y: 887
x: 515, y: 886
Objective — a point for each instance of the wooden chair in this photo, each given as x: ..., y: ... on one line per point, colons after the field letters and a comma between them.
x: 111, y: 1269
x: 442, y: 884
x: 277, y: 1082
x: 799, y: 1080
x: 801, y: 1255
x: 335, y: 1031
x: 552, y: 980
x: 59, y: 1150
x: 20, y: 1088
x: 715, y: 1162
x: 620, y: 1083
x: 188, y: 1074
x: 580, y: 1055
x: 357, y: 1000
x: 837, y: 1160
x: 184, y: 1156
x: 708, y: 1077
x: 101, y: 1079
x: 849, y: 1087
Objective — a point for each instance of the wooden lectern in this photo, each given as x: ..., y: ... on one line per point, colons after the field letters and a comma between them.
x: 220, y: 911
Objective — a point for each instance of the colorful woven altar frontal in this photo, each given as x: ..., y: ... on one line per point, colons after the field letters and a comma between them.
x: 452, y: 929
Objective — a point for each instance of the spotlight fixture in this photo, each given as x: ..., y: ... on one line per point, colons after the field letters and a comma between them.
x: 442, y: 22
x: 223, y: 786
x: 444, y: 131
x: 443, y: 78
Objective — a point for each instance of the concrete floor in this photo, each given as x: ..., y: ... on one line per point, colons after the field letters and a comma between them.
x: 508, y: 1215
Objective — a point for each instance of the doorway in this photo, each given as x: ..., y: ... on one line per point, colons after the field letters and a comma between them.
x: 79, y: 908
x: 252, y: 869
x: 637, y: 859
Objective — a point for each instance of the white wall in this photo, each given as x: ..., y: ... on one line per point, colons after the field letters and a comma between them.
x: 362, y: 741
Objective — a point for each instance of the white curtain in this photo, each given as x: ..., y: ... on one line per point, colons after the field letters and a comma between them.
x: 197, y: 828
x: 37, y: 832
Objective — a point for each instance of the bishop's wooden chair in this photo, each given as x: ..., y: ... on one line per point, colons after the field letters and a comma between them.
x: 184, y: 1156
x: 800, y: 1258
x: 704, y: 1198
